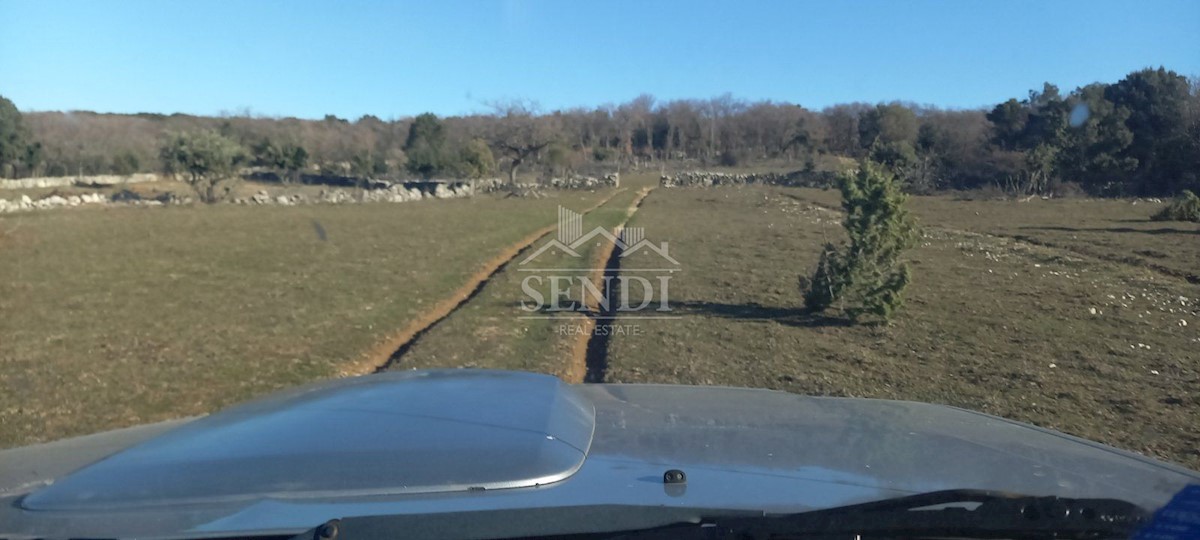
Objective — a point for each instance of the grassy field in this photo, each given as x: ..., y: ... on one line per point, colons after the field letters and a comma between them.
x: 1115, y: 230
x: 1076, y: 315
x: 1041, y: 334
x: 112, y: 317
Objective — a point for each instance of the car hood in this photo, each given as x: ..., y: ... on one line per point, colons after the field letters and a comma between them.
x: 462, y: 440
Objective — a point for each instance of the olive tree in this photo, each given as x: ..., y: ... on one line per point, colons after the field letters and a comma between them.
x: 206, y: 160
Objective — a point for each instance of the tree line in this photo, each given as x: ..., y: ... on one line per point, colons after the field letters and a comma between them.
x: 1139, y: 135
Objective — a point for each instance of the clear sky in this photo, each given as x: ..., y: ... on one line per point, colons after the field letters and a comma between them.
x: 391, y: 59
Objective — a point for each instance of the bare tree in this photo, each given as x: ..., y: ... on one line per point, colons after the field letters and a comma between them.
x: 520, y: 133
x: 686, y: 132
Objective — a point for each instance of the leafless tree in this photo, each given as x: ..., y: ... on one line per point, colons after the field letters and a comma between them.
x: 519, y: 133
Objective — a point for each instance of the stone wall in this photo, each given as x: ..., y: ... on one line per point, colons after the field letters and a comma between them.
x: 24, y: 202
x: 86, y: 181
x: 380, y: 192
x: 393, y: 193
x: 709, y: 179
x: 585, y: 182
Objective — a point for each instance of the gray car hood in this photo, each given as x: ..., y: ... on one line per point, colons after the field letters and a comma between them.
x: 446, y: 441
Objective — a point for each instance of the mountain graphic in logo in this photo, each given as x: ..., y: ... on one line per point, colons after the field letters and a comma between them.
x: 570, y: 238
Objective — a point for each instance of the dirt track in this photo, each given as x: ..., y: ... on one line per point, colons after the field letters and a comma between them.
x: 587, y: 360
x: 388, y: 352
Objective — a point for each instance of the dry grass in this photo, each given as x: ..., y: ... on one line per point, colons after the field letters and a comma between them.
x: 992, y: 324
x: 381, y: 356
x: 1065, y: 314
x: 112, y: 317
x: 577, y: 359
x: 489, y: 332
x: 1112, y: 229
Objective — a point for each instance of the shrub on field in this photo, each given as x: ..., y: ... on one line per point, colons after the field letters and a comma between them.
x: 206, y: 159
x: 865, y: 277
x: 476, y: 160
x: 1185, y: 207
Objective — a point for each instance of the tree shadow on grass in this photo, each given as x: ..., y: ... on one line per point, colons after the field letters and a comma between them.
x: 750, y: 311
x: 1161, y: 230
x: 757, y: 312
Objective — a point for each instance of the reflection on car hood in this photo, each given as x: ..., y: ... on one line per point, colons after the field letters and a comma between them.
x: 442, y: 441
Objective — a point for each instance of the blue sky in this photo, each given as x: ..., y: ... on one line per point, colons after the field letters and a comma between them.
x: 392, y: 59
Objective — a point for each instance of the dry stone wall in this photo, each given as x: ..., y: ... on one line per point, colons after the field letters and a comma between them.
x: 710, y: 179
